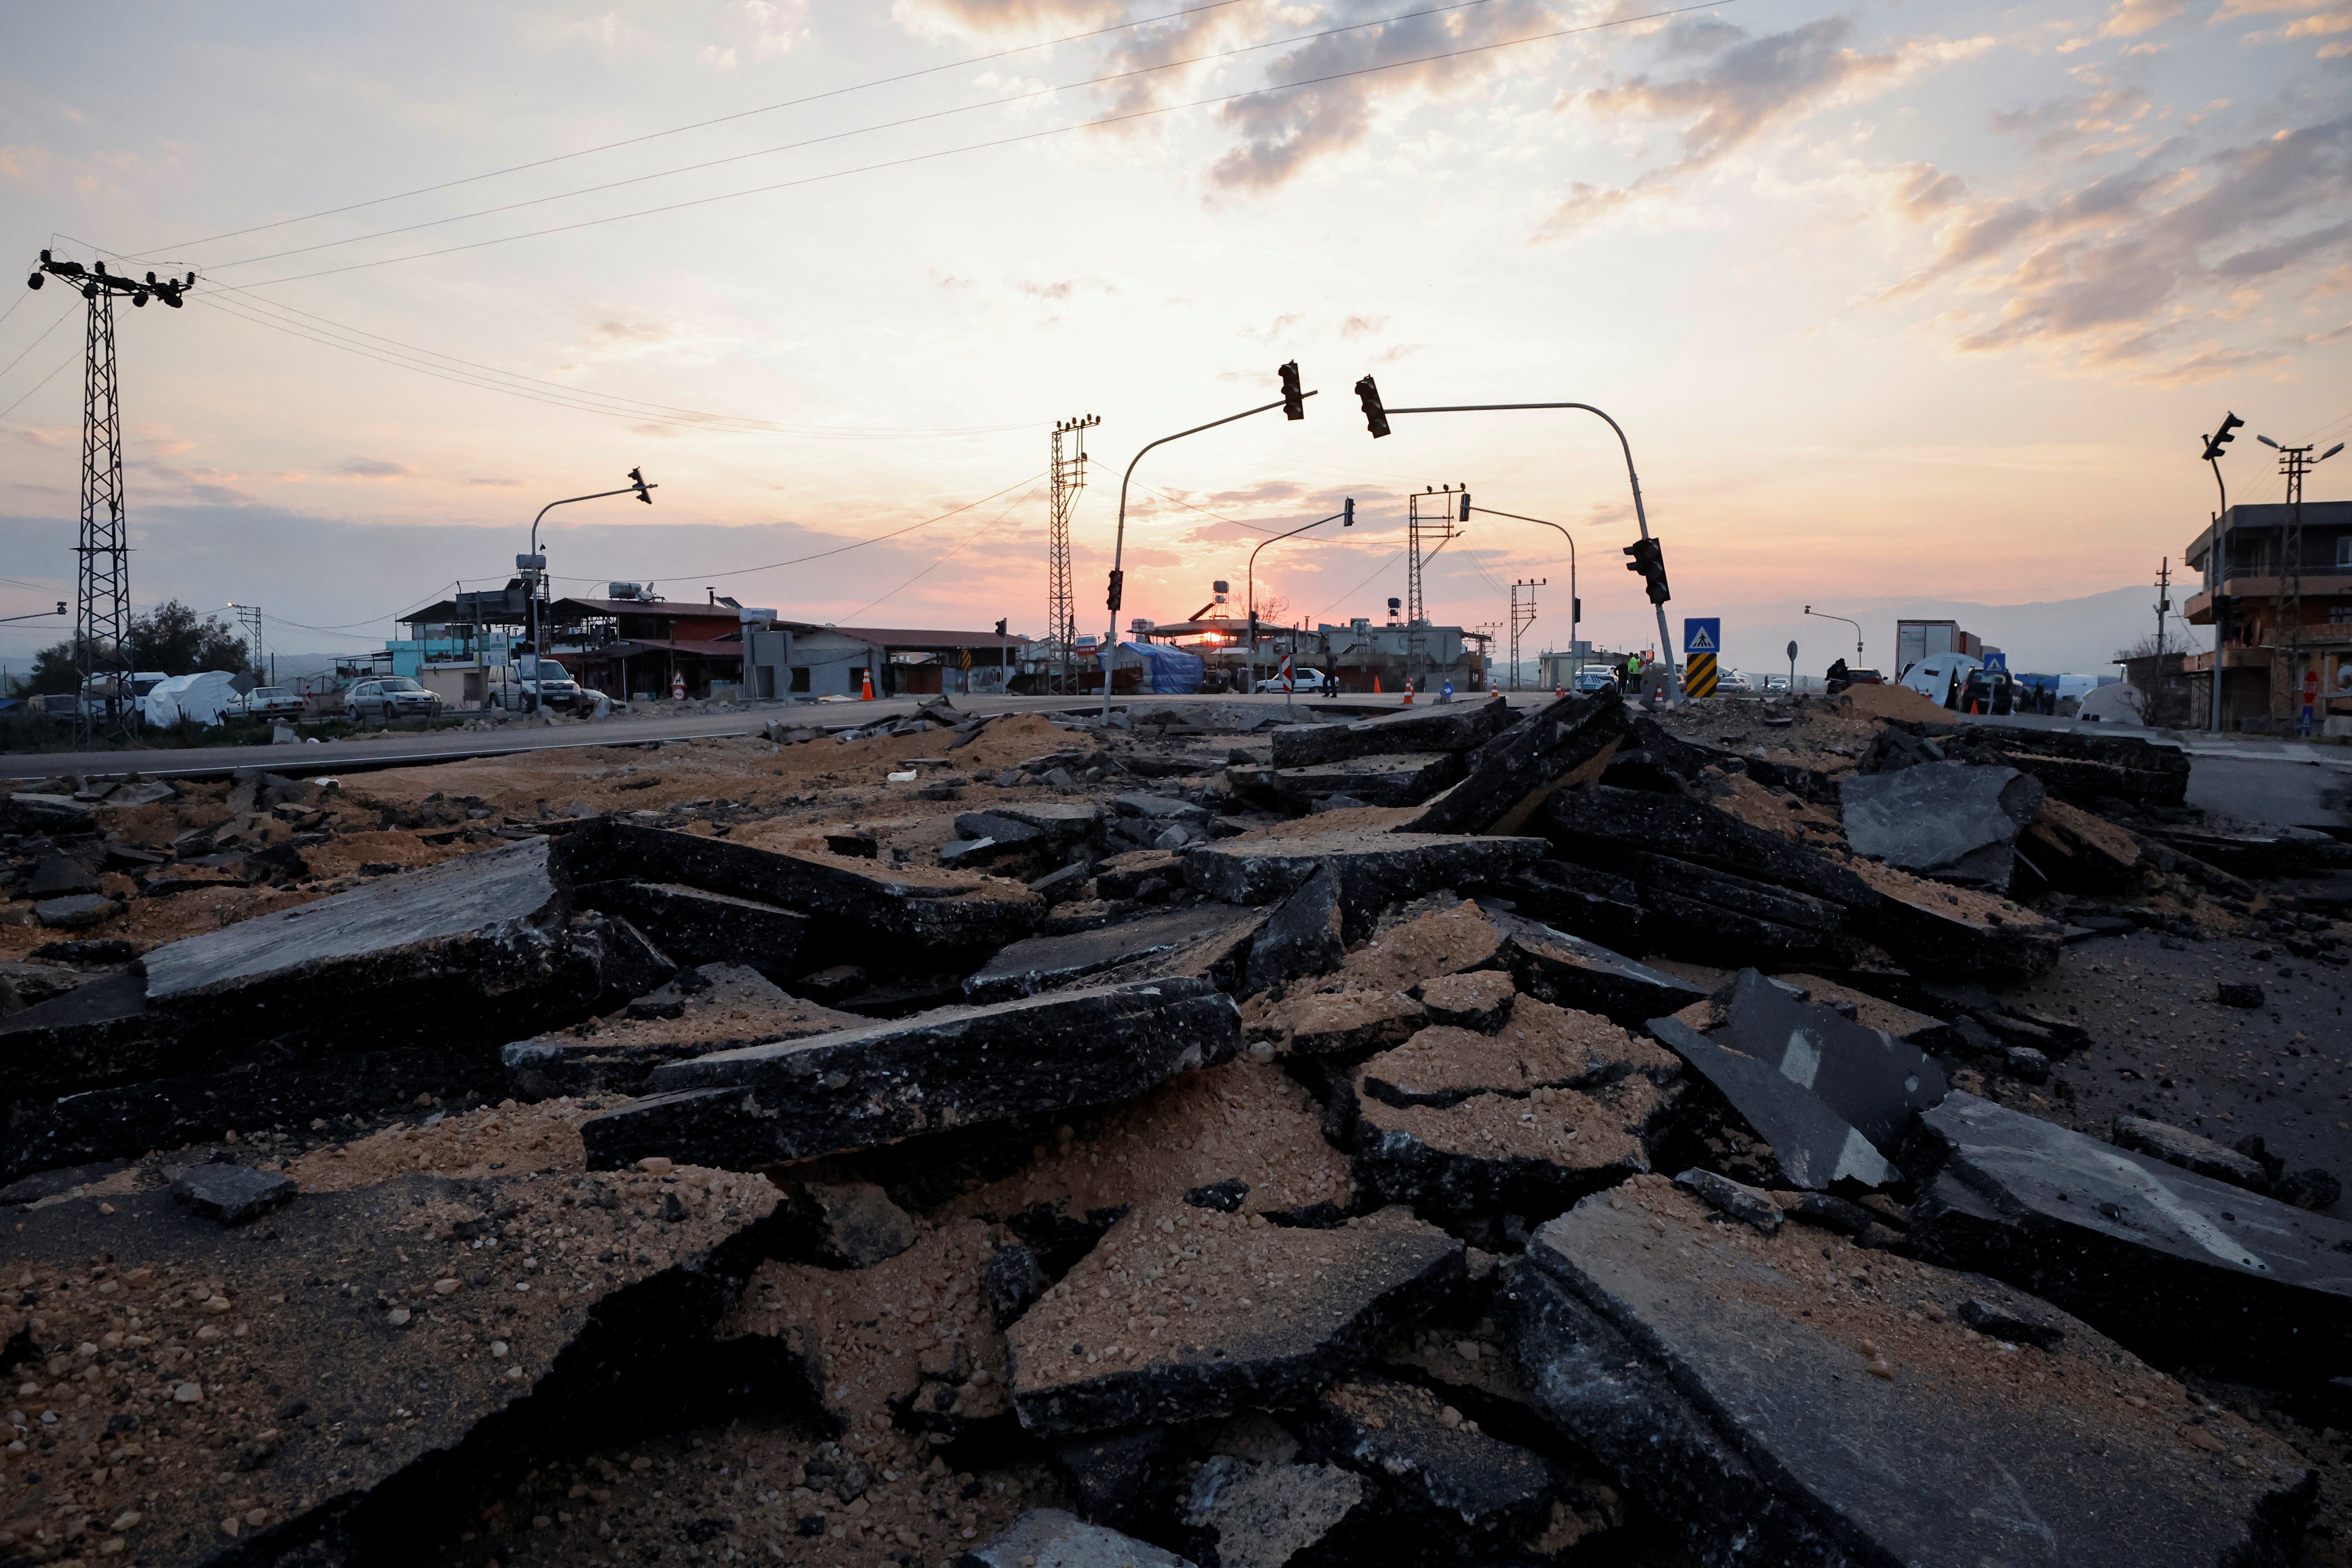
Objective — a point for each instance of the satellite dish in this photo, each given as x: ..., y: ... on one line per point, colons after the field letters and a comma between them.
x: 2344, y: 677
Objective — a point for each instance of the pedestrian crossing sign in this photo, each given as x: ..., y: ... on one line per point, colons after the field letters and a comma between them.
x: 1703, y: 636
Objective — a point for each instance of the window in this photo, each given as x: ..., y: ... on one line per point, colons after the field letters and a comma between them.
x: 800, y: 677
x: 2344, y: 550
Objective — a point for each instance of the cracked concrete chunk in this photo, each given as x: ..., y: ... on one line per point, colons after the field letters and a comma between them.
x: 1813, y: 1146
x: 1217, y: 1312
x: 1949, y: 820
x: 1480, y: 1002
x: 1303, y: 936
x: 1777, y: 1406
x: 2178, y: 1146
x: 1735, y: 1200
x: 1542, y: 1047
x: 2170, y: 1262
x: 1488, y: 1153
x: 952, y: 1067
x: 1049, y: 1538
x: 1344, y: 1022
x: 1573, y: 972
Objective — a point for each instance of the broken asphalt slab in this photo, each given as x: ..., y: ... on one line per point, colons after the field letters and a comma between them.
x: 1369, y: 870
x: 696, y: 927
x: 1039, y: 963
x: 1382, y: 779
x: 1455, y: 728
x: 346, y: 1376
x: 1779, y: 1406
x: 1507, y: 781
x: 2173, y: 1264
x: 952, y: 1067
x: 1215, y: 1313
x: 716, y: 1007
x: 1456, y: 1478
x: 1051, y: 1537
x: 1950, y: 820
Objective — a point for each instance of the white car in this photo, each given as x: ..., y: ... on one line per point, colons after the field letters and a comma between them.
x: 1776, y: 683
x: 268, y: 702
x: 1302, y: 680
x: 1732, y: 680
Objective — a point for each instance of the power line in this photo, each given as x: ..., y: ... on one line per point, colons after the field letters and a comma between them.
x: 974, y: 536
x: 278, y: 311
x: 1204, y: 511
x: 1368, y: 577
x: 1003, y: 101
x: 37, y: 385
x: 722, y: 119
x: 62, y: 318
x: 914, y: 158
x: 859, y: 544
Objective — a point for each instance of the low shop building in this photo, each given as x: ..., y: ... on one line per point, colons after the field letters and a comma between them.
x: 2282, y: 613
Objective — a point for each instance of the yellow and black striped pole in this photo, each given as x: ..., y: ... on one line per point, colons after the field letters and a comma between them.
x: 1699, y: 675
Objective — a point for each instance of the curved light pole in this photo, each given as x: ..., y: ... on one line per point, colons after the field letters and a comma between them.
x: 1577, y: 664
x: 1349, y: 514
x: 1118, y: 541
x: 1855, y: 625
x: 1665, y: 642
x: 537, y: 568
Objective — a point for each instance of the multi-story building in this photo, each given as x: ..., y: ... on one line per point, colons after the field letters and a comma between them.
x: 2283, y: 612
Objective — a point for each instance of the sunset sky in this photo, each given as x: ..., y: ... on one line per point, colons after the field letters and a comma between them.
x: 1892, y: 299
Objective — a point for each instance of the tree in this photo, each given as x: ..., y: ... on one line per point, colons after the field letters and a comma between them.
x: 56, y: 671
x: 1271, y: 609
x: 170, y: 638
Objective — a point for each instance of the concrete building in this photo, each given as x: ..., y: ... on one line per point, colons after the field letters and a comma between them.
x: 1359, y: 653
x: 801, y: 658
x: 2280, y: 616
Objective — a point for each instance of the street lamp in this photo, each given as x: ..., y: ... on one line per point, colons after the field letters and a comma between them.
x: 1855, y: 625
x: 2217, y: 555
x: 1348, y: 515
x: 1376, y: 418
x: 533, y: 567
x: 1575, y: 605
x: 1292, y: 402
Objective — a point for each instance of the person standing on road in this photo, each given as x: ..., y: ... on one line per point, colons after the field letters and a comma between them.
x: 2310, y: 696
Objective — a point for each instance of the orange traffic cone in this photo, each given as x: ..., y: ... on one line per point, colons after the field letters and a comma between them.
x: 1559, y: 691
x: 1376, y: 686
x: 1408, y: 695
x: 868, y: 694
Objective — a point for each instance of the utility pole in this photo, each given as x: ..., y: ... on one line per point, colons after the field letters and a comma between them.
x: 249, y: 617
x: 1430, y: 515
x: 2294, y: 462
x: 1522, y: 617
x: 1069, y: 476
x: 2163, y: 608
x: 102, y: 597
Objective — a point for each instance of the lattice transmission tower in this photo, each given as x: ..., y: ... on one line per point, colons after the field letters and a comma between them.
x: 102, y: 590
x: 1523, y: 616
x: 1429, y: 517
x: 1069, y: 473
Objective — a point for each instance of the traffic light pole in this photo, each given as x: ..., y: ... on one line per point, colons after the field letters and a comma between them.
x: 637, y: 487
x: 1253, y: 592
x: 1665, y: 642
x: 1118, y: 542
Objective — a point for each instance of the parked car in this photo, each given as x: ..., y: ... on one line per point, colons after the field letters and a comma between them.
x: 388, y: 697
x: 544, y: 678
x: 1596, y: 678
x: 269, y: 702
x: 1302, y: 679
x: 1732, y: 680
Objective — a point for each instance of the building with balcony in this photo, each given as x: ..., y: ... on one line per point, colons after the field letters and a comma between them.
x: 2283, y: 606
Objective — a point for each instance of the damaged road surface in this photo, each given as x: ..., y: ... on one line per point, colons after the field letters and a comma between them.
x: 1249, y: 1135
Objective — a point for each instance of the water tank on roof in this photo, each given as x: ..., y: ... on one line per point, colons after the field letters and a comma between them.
x: 625, y: 591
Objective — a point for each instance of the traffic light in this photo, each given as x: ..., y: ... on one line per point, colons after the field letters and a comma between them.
x: 644, y: 490
x: 2222, y: 437
x: 1118, y: 584
x: 1376, y: 418
x: 1466, y: 503
x: 1650, y: 560
x: 1348, y: 513
x: 1294, y: 400
x: 1000, y: 625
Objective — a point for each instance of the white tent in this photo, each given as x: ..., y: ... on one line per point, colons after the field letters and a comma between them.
x: 200, y: 696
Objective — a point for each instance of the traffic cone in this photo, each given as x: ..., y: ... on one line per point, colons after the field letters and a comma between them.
x: 869, y: 681
x: 1559, y: 691
x: 1376, y: 686
x: 1408, y: 695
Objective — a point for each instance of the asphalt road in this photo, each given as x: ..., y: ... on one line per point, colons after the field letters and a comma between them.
x: 2250, y: 778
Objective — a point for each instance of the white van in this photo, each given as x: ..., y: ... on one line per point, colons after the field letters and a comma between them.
x: 1940, y: 677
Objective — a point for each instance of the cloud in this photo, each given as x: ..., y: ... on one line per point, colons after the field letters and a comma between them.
x: 2114, y: 271
x: 503, y: 483
x: 996, y: 19
x: 2105, y: 111
x: 1358, y: 326
x: 2130, y: 18
x: 1283, y: 133
x: 374, y: 469
x: 1745, y: 87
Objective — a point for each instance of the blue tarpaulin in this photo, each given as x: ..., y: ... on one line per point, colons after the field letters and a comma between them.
x: 1168, y: 671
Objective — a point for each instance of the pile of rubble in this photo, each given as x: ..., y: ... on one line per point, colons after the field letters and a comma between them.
x: 1463, y: 1134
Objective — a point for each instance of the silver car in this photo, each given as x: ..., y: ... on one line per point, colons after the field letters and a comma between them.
x: 388, y: 697
x: 272, y: 703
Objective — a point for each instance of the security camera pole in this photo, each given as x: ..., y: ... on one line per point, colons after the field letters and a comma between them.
x: 533, y: 568
x: 1647, y: 559
x: 1293, y: 403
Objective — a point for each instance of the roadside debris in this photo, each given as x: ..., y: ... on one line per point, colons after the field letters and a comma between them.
x: 1221, y: 1136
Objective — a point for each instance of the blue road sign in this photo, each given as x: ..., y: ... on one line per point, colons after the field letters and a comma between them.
x: 1703, y: 636
x: 1996, y: 661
